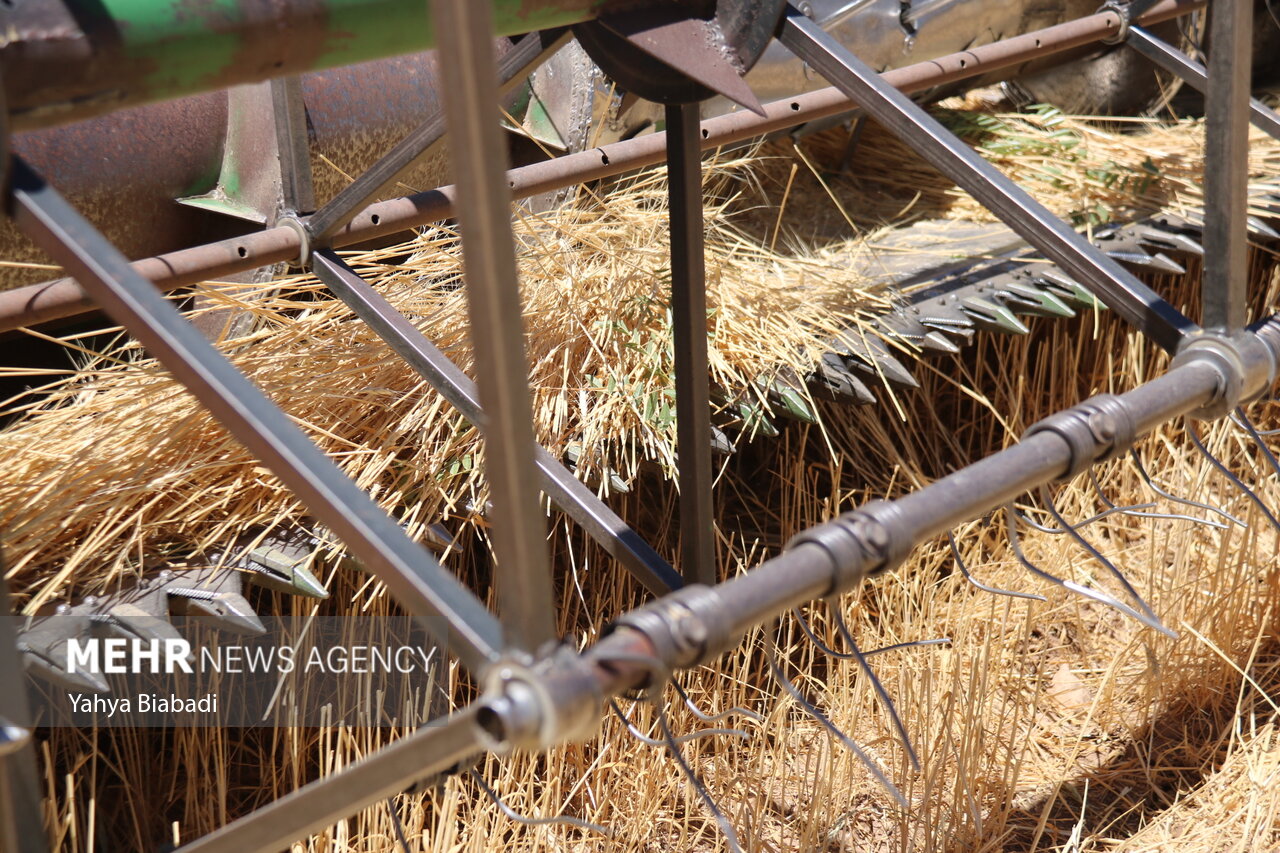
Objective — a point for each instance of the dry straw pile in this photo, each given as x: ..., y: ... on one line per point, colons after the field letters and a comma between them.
x: 1040, y: 725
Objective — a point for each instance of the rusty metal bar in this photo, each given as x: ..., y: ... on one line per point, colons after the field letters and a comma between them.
x: 28, y: 306
x: 826, y: 560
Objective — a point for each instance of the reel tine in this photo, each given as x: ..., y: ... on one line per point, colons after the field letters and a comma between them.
x: 685, y: 738
x: 1151, y: 619
x: 714, y: 718
x: 397, y: 825
x: 673, y: 747
x: 1111, y: 601
x: 994, y: 590
x: 567, y: 820
x: 1226, y: 472
x: 813, y: 638
x: 813, y: 711
x: 1263, y: 432
x: 1058, y: 531
x: 1256, y: 436
x: 1135, y: 510
x: 857, y: 655
x: 1155, y: 487
x: 937, y: 641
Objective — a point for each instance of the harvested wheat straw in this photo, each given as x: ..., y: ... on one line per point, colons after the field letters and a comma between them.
x: 1028, y: 703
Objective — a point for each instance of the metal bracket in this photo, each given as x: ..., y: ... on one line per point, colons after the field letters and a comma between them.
x: 1122, y: 11
x: 1096, y: 430
x: 861, y: 543
x: 534, y: 706
x: 1244, y: 361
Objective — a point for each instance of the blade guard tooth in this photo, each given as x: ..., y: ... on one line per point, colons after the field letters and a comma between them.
x: 217, y: 603
x: 1166, y: 239
x: 870, y: 355
x: 1072, y: 291
x: 1024, y: 296
x: 272, y: 567
x: 788, y: 402
x: 991, y: 315
x: 592, y: 476
x: 832, y: 377
x: 754, y: 420
x: 53, y: 667
x: 720, y: 443
x: 130, y: 622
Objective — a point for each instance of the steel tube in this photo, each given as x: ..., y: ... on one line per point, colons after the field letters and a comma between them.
x: 808, y: 572
x: 40, y: 303
x: 1194, y: 74
x: 1224, y: 287
x: 689, y: 334
x: 1116, y: 286
x: 445, y: 607
x: 432, y: 749
x: 578, y: 502
x: 519, y: 530
x: 67, y: 60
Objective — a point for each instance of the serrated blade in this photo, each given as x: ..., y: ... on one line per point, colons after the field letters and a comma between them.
x: 226, y: 611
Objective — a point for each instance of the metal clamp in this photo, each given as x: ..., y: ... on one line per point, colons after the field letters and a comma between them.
x: 303, y: 261
x: 556, y: 700
x: 1121, y: 11
x: 1100, y: 428
x: 1245, y: 362
x: 860, y: 544
x: 686, y: 627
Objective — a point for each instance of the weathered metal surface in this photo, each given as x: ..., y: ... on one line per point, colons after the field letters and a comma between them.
x: 125, y: 170
x: 62, y: 298
x: 67, y: 60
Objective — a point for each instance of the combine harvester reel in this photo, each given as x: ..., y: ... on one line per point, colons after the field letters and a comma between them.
x: 538, y: 692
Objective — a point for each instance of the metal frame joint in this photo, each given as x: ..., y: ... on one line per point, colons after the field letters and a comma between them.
x: 536, y: 706
x: 1119, y: 8
x: 292, y: 222
x: 863, y: 543
x: 1245, y: 364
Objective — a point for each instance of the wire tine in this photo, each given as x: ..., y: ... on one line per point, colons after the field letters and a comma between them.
x: 1226, y: 472
x: 937, y: 641
x: 1098, y: 596
x: 848, y: 637
x: 994, y: 590
x: 1238, y: 414
x: 1134, y: 509
x: 1147, y: 615
x: 535, y: 821
x: 715, y: 718
x: 397, y: 826
x: 685, y: 738
x: 812, y: 710
x: 673, y: 747
x: 1257, y: 438
x: 813, y: 638
x: 1155, y: 487
x: 876, y: 685
x: 1058, y: 531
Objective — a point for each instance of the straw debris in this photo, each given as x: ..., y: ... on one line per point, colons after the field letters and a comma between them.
x: 1055, y: 725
